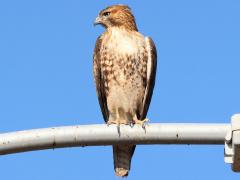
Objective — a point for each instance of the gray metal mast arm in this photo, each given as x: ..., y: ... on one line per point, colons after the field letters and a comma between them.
x: 92, y: 135
x: 97, y: 135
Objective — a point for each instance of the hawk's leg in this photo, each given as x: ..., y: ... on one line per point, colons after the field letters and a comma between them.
x: 118, y: 120
x: 109, y: 122
x: 140, y: 122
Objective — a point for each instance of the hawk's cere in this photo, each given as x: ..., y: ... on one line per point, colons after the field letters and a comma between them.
x: 124, y: 70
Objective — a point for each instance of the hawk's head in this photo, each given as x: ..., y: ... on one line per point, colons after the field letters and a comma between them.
x: 116, y: 16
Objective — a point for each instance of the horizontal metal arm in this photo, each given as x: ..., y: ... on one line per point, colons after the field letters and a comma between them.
x: 92, y: 135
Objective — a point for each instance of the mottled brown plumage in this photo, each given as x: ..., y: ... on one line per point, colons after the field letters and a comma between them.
x: 124, y: 70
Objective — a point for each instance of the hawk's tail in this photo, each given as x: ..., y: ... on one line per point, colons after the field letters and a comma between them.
x: 122, y: 155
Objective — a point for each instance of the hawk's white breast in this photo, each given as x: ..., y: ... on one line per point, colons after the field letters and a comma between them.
x: 125, y: 42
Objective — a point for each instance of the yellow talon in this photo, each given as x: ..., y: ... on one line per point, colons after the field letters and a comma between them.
x: 140, y: 122
x: 117, y: 121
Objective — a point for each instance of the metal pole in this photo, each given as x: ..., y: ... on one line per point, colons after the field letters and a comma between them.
x: 94, y: 135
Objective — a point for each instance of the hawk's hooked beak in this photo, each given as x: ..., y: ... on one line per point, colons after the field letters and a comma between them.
x: 97, y: 21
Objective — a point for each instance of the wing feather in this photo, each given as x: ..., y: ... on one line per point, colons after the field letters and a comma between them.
x: 99, y: 80
x: 151, y: 74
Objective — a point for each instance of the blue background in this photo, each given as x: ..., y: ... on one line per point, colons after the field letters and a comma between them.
x: 46, y: 80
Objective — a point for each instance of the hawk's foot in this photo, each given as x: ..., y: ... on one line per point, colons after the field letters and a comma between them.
x: 140, y: 122
x: 117, y: 122
x: 109, y: 122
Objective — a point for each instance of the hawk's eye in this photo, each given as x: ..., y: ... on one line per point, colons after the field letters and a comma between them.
x: 106, y: 13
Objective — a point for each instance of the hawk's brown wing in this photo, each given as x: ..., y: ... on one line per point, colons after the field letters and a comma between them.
x: 99, y: 81
x: 151, y: 74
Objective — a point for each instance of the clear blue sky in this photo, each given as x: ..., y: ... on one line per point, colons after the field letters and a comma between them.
x: 46, y: 80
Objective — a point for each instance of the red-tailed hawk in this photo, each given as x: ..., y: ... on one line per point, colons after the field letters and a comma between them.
x: 124, y: 70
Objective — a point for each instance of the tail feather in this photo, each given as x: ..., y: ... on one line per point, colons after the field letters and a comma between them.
x: 122, y: 155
